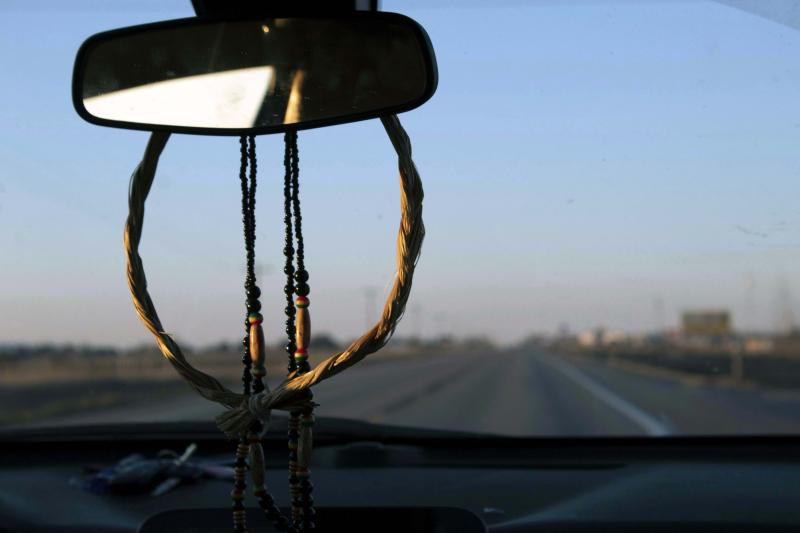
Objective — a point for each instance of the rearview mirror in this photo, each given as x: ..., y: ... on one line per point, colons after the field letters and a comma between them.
x: 254, y: 76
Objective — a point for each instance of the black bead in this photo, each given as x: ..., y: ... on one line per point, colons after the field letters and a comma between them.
x: 290, y: 330
x: 301, y: 276
x: 289, y: 309
x: 246, y: 340
x: 253, y: 292
x: 288, y: 289
x: 254, y: 306
x: 302, y: 289
x: 288, y: 250
x: 288, y: 269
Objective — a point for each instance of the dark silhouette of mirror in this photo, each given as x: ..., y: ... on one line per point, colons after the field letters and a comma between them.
x: 254, y: 75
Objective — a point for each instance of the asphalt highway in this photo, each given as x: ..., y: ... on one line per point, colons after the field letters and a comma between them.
x: 529, y: 393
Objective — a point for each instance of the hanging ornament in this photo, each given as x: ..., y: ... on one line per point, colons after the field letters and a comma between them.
x: 248, y: 413
x: 272, y: 75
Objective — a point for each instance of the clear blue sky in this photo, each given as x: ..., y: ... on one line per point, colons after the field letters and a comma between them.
x: 582, y: 162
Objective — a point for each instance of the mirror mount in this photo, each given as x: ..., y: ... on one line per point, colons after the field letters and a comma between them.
x: 244, y: 9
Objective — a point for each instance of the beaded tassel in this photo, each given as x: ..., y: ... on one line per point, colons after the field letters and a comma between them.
x: 294, y: 480
x: 306, y: 420
x: 265, y: 501
x: 298, y: 330
x: 254, y: 361
x: 239, y: 487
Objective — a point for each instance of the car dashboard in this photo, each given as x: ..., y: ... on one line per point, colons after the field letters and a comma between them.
x: 450, y: 483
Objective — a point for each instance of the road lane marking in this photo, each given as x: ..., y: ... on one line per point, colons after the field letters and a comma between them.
x: 651, y: 425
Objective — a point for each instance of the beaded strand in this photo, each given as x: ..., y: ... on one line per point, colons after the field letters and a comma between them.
x: 298, y: 330
x: 252, y: 291
x: 254, y: 362
x: 288, y: 252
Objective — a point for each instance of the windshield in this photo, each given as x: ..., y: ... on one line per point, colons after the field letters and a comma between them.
x: 612, y: 230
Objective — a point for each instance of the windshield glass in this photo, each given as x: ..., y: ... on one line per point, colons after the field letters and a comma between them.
x: 612, y: 230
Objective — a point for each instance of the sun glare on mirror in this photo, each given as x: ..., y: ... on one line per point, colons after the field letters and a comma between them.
x: 238, y: 96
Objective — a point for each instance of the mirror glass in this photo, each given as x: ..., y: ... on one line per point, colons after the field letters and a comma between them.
x: 254, y: 75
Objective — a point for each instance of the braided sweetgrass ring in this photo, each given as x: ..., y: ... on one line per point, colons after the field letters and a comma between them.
x: 289, y: 394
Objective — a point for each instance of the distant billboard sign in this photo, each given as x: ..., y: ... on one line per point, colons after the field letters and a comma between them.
x: 707, y: 323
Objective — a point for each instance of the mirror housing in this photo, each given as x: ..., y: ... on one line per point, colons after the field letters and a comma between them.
x: 256, y: 75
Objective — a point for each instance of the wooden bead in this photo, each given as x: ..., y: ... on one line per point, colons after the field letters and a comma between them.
x: 257, y: 354
x: 303, y: 325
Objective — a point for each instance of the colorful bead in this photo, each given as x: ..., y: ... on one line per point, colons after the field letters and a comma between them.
x: 255, y: 318
x: 301, y: 302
